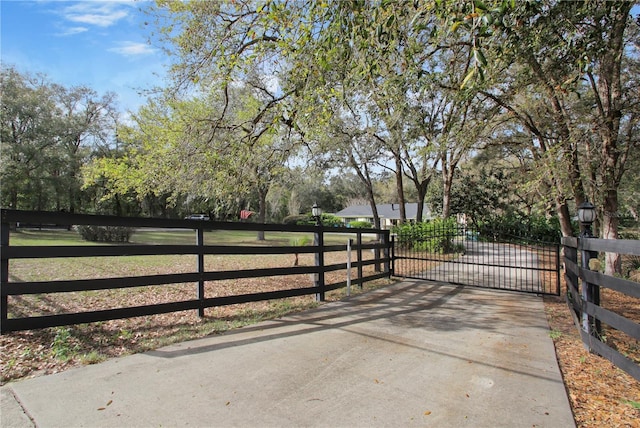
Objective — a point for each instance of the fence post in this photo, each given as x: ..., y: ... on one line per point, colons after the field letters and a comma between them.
x: 392, y: 267
x: 4, y: 271
x: 200, y: 244
x: 349, y: 242
x: 318, y: 241
x: 385, y: 252
x: 590, y: 292
x: 376, y: 252
x: 359, y: 245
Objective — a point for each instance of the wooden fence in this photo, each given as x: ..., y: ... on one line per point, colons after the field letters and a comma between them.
x: 583, y: 296
x: 378, y: 241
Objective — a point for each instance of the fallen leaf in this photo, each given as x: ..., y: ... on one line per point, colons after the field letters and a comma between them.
x: 427, y: 413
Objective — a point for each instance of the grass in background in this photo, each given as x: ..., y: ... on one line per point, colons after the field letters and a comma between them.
x: 176, y: 237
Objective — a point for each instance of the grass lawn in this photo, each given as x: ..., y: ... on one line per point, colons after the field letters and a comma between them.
x: 109, y: 267
x: 176, y: 237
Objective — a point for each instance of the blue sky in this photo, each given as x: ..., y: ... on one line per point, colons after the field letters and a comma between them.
x: 100, y: 44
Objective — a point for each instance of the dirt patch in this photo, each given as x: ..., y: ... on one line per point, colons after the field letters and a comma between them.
x: 600, y: 394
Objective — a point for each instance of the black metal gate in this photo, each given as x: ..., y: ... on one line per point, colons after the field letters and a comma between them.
x: 483, y: 258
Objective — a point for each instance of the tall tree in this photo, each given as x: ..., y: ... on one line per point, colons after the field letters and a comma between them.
x: 29, y: 122
x: 48, y: 131
x: 560, y: 50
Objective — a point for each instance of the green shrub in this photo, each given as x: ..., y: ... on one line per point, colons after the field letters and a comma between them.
x: 308, y: 220
x: 631, y: 267
x: 360, y: 225
x: 435, y: 236
x: 300, y: 242
x: 105, y: 233
x: 514, y: 227
x: 296, y: 219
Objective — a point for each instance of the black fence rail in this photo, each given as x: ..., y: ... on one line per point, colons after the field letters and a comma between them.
x: 584, y: 284
x: 371, y: 247
x: 459, y: 254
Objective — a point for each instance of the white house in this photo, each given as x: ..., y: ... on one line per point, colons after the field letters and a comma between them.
x: 389, y: 214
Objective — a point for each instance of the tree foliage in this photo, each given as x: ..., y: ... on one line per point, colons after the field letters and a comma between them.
x: 48, y: 132
x: 467, y: 100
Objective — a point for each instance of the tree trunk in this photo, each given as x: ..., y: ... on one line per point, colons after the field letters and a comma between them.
x: 608, y: 92
x: 447, y: 184
x: 422, y: 195
x: 363, y: 175
x: 400, y: 187
x: 562, y: 209
x: 609, y: 224
x: 262, y: 209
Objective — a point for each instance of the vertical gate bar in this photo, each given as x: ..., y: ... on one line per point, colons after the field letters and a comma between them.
x: 519, y: 282
x: 534, y: 286
x: 421, y: 264
x: 412, y: 251
x: 468, y: 244
x: 521, y: 275
x: 200, y: 244
x: 557, y: 269
x: 501, y: 251
x: 386, y: 253
x: 4, y: 273
x: 516, y: 252
x: 458, y: 243
x: 392, y: 265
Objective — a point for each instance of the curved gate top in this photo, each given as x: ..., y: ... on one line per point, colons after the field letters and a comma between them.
x: 465, y: 256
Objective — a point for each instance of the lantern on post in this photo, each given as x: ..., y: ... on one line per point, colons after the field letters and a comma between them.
x: 586, y: 216
x: 316, y: 213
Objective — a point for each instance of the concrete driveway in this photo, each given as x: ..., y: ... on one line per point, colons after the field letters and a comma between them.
x: 412, y: 354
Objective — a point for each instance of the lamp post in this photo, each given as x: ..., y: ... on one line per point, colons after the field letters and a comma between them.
x: 318, y: 240
x: 316, y: 213
x: 586, y: 216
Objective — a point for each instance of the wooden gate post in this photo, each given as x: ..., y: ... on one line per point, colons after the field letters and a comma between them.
x: 318, y: 241
x: 590, y: 292
x: 4, y: 271
x: 360, y: 261
x: 386, y: 253
x: 200, y: 244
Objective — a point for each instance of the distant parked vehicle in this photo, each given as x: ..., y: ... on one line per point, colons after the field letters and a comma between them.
x: 197, y: 217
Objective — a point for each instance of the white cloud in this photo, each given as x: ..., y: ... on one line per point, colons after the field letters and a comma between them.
x: 101, y: 14
x: 132, y: 49
x: 72, y: 31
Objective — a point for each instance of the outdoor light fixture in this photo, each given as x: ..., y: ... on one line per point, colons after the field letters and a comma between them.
x: 316, y: 213
x: 586, y: 216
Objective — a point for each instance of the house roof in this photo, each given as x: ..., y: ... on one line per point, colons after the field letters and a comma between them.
x: 389, y: 211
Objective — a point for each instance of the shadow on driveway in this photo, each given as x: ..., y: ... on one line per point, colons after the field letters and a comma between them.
x: 411, y: 354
